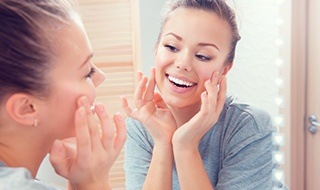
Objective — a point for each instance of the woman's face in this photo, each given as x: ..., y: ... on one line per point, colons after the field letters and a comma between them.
x: 193, y: 45
x: 73, y: 74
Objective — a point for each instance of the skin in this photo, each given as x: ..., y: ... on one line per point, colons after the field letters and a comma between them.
x: 191, y: 52
x: 84, y: 155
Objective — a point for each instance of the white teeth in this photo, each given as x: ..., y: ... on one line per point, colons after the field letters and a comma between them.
x: 180, y: 82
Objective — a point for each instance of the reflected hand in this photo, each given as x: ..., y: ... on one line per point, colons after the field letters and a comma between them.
x: 151, y: 110
x: 188, y: 136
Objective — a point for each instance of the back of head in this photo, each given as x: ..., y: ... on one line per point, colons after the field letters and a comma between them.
x: 25, y: 43
x: 219, y: 7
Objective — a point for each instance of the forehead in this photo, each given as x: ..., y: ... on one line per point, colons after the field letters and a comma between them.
x: 72, y: 43
x: 199, y: 25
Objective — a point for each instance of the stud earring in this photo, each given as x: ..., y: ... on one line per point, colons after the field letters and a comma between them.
x: 35, y: 123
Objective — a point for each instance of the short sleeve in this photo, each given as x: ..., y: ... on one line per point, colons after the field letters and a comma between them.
x: 247, y: 152
x: 138, y: 154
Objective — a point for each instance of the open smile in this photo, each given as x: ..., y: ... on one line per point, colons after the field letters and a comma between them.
x: 179, y: 82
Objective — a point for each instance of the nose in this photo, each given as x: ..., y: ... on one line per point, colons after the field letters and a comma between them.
x: 98, y: 77
x: 184, y: 62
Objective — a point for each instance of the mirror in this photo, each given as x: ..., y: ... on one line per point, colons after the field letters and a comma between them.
x: 260, y: 71
x: 262, y: 61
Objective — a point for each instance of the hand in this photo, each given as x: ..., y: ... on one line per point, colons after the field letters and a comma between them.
x: 151, y: 110
x: 86, y: 159
x: 188, y: 136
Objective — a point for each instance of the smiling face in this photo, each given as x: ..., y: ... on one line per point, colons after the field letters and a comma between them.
x: 73, y: 74
x: 192, y: 46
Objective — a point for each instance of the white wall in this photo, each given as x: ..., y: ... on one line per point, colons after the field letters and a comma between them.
x: 150, y: 27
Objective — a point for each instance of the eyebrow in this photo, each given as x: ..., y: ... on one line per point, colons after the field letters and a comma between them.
x: 86, y: 60
x: 200, y: 44
x: 207, y: 44
x: 175, y: 35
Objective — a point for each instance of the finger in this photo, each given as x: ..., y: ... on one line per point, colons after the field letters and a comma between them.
x: 58, y: 158
x: 212, y: 93
x: 150, y: 87
x: 106, y: 127
x: 212, y: 89
x: 158, y: 100
x: 204, y: 103
x: 70, y: 146
x: 221, y: 95
x: 82, y: 134
x: 215, y: 78
x: 139, y: 92
x: 125, y: 106
x: 92, y: 123
x: 121, y: 135
x: 139, y: 75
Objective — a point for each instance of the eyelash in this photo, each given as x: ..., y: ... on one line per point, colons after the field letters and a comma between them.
x: 200, y: 57
x: 203, y: 58
x: 171, y: 48
x: 91, y: 72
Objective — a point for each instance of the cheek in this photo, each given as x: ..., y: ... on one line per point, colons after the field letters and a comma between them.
x: 69, y: 94
x: 205, y: 73
x: 89, y: 90
x: 162, y: 58
x: 64, y: 105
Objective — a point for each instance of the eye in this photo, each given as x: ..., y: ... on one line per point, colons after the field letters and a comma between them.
x: 203, y: 57
x: 171, y: 48
x: 91, y: 73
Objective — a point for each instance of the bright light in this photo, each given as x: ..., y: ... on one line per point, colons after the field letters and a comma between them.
x: 278, y: 139
x: 279, y: 62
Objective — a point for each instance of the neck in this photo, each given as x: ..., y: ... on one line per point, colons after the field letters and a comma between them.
x: 184, y: 114
x: 19, y: 152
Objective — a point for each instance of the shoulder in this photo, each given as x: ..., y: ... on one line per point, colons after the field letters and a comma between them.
x: 20, y: 178
x: 238, y: 113
x: 137, y: 133
x: 135, y: 126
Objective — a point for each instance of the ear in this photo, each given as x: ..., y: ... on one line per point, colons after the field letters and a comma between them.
x: 22, y: 109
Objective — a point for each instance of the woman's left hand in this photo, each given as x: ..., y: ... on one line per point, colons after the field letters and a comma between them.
x: 86, y: 163
x: 188, y: 136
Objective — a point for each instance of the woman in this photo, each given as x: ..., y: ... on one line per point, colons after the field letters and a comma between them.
x: 47, y: 89
x: 193, y: 136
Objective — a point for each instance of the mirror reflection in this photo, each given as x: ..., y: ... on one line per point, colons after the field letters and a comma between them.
x: 260, y: 75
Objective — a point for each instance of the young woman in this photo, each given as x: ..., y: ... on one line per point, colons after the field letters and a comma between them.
x: 193, y: 136
x: 47, y: 89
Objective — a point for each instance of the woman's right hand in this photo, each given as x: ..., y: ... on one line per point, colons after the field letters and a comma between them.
x: 86, y: 159
x: 151, y: 110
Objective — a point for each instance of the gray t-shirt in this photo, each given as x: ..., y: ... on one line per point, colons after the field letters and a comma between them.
x: 20, y: 179
x: 236, y: 151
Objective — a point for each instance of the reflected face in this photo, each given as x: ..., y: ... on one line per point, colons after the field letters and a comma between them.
x: 73, y: 74
x: 193, y: 45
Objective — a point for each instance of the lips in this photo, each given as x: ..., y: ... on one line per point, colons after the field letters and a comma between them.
x: 180, y: 83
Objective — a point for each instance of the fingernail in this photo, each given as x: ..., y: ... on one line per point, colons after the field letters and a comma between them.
x: 118, y: 117
x: 84, y: 101
x: 92, y: 108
